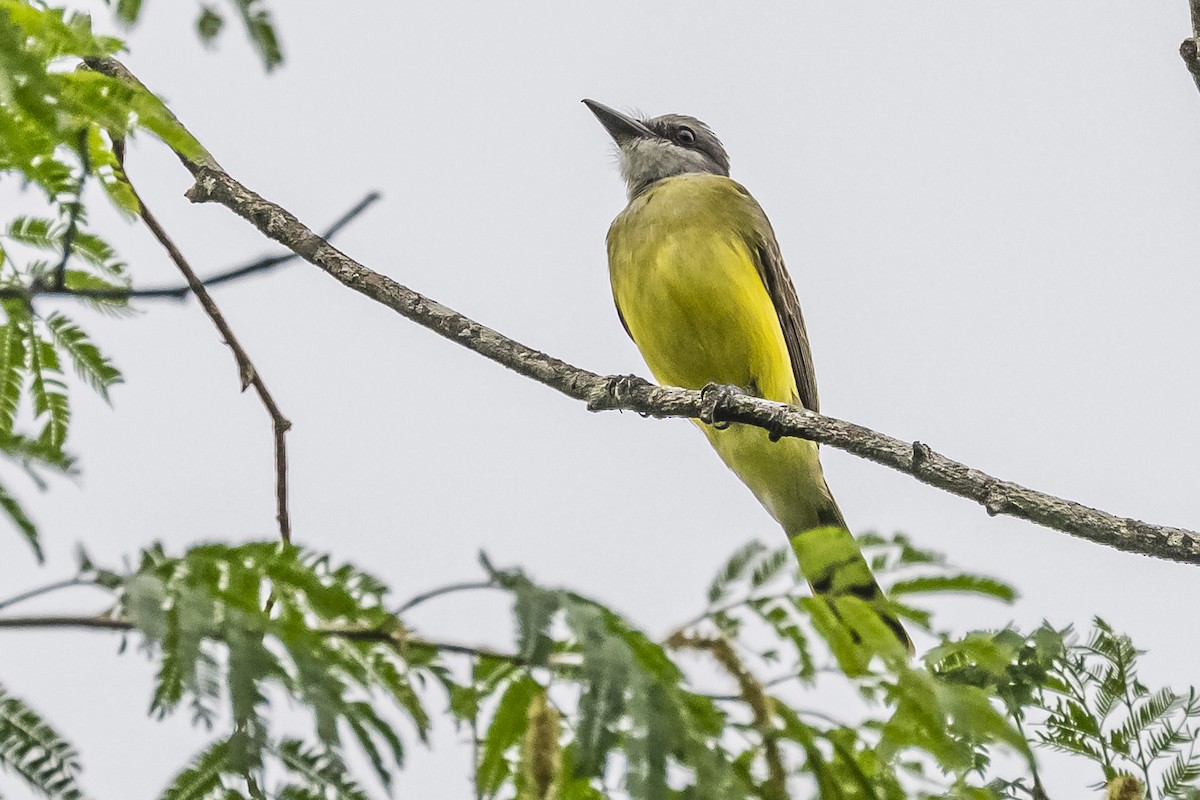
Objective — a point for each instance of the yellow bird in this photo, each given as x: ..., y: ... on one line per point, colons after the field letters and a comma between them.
x: 701, y: 288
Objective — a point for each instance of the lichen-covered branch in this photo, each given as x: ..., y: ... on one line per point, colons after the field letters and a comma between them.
x: 214, y: 185
x: 1189, y: 50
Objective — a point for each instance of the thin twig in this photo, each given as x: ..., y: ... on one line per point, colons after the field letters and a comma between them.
x: 270, y: 262
x: 465, y: 586
x: 246, y: 370
x: 42, y: 590
x: 754, y: 694
x: 181, y: 292
x: 213, y: 184
x: 398, y: 638
x: 76, y: 208
x: 737, y: 698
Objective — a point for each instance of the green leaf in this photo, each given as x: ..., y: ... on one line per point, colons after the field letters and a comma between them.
x: 321, y: 772
x: 34, y: 452
x: 505, y: 730
x: 534, y: 609
x: 128, y: 11
x: 116, y: 304
x: 12, y: 367
x: 87, y: 359
x: 209, y: 24
x: 733, y: 570
x: 201, y: 778
x: 965, y: 583
x: 203, y: 616
x: 48, y: 391
x: 33, y: 750
x: 16, y: 514
x: 606, y: 668
x: 44, y: 234
x: 97, y: 252
x: 262, y: 32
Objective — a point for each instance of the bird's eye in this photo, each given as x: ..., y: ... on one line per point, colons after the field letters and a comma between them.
x: 685, y: 136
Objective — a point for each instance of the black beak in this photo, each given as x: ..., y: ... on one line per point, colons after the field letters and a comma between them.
x: 620, y: 127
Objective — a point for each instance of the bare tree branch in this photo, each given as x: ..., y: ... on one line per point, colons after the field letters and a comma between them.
x: 249, y: 374
x: 714, y: 404
x: 1189, y: 50
x: 43, y: 590
x: 394, y: 637
x: 465, y: 586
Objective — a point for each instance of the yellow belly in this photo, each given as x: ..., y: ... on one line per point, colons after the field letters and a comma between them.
x: 685, y: 283
x: 694, y: 302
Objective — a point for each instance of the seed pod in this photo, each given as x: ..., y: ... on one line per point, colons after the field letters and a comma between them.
x: 541, y: 756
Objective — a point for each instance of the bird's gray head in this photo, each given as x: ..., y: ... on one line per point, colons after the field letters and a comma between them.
x: 662, y: 147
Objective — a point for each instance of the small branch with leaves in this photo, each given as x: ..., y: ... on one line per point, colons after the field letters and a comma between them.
x: 332, y: 641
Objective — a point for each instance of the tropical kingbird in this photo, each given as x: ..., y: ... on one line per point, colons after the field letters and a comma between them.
x: 700, y: 287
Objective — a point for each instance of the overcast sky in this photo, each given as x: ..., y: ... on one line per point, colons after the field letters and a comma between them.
x: 989, y: 211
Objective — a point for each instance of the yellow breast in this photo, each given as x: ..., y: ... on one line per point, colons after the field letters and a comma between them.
x: 685, y: 282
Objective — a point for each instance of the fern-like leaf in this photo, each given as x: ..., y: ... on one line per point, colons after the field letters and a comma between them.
x: 17, y: 515
x: 967, y: 584
x: 321, y: 772
x: 12, y: 368
x: 44, y: 234
x: 733, y: 570
x: 1184, y: 769
x: 31, y: 748
x: 201, y: 778
x: 48, y: 391
x: 92, y: 365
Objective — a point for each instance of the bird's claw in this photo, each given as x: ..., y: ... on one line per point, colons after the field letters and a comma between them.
x: 714, y: 398
x: 617, y: 388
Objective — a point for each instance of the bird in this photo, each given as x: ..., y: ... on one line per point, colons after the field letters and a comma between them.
x: 700, y: 286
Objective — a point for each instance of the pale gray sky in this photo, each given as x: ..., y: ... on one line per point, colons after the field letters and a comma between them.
x: 989, y: 210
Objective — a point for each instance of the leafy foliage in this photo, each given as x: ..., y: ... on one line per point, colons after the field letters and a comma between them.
x: 63, y: 127
x: 323, y: 637
x: 59, y: 129
x: 588, y: 706
x: 1097, y: 707
x: 636, y: 720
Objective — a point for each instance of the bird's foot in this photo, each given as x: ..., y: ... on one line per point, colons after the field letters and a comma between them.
x: 715, y: 398
x: 617, y: 390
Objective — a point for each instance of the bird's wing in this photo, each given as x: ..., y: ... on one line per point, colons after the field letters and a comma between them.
x: 769, y: 262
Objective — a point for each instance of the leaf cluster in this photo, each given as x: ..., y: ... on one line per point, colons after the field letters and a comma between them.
x: 233, y: 627
x: 1097, y: 707
x: 588, y: 706
x: 63, y: 127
